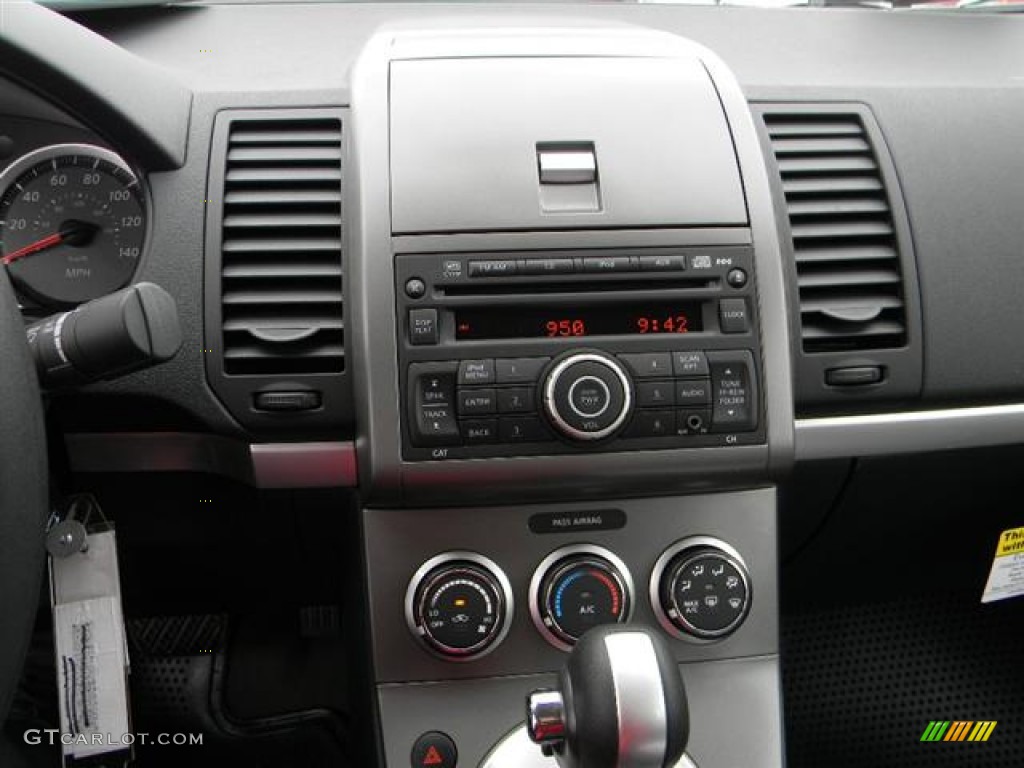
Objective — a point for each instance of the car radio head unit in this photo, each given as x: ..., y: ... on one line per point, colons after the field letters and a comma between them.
x: 536, y: 353
x: 581, y: 321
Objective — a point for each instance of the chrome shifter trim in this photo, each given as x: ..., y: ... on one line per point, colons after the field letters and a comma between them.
x: 515, y: 750
x: 639, y: 700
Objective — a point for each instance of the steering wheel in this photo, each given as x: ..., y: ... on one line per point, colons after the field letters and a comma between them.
x: 24, y: 491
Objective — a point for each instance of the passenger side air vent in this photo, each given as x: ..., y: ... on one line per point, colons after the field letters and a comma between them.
x: 855, y: 284
x: 281, y: 249
x: 844, y: 241
x: 275, y: 314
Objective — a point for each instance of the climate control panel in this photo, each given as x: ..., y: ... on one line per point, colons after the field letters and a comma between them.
x: 459, y: 605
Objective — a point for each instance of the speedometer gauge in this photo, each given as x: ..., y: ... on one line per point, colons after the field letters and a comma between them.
x: 72, y: 223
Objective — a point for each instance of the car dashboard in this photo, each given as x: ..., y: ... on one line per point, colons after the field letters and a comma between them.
x: 540, y: 316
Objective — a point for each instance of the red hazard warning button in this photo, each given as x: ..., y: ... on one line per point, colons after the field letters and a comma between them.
x: 434, y: 750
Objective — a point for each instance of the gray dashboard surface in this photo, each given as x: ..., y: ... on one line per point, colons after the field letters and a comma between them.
x: 946, y: 89
x: 735, y: 713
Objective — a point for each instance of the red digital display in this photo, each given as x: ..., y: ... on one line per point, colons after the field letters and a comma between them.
x: 612, y: 320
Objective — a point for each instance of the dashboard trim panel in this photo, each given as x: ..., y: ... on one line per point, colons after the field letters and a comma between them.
x: 384, y: 476
x: 887, y: 434
x: 263, y: 465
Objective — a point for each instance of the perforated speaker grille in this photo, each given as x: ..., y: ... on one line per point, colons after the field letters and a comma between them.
x: 861, y: 684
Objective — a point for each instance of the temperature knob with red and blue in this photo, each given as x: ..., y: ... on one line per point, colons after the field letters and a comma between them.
x: 579, y: 590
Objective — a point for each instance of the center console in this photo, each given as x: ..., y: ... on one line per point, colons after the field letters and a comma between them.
x: 567, y: 295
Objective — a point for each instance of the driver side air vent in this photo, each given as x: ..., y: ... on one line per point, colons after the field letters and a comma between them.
x: 844, y: 240
x: 275, y: 266
x: 855, y: 305
x: 281, y: 249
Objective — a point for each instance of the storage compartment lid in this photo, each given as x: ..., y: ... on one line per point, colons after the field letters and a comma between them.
x: 469, y: 137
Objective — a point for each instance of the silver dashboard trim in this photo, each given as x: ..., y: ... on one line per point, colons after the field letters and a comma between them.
x: 263, y: 465
x: 887, y: 434
x: 387, y: 479
x: 304, y: 465
x: 515, y: 750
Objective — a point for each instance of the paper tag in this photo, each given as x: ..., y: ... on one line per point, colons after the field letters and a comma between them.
x: 1006, y: 579
x: 91, y: 676
x: 91, y: 650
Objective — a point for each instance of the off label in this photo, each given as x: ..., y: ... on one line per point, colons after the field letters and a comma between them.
x: 1006, y: 579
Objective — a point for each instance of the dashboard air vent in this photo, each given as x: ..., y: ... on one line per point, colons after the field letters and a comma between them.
x: 845, y: 245
x: 281, y: 259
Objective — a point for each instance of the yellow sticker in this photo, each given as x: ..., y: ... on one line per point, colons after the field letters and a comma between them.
x: 1006, y: 579
x: 1010, y: 542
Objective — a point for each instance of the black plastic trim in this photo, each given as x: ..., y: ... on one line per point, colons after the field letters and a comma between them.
x: 903, y: 365
x: 86, y: 75
x: 237, y: 392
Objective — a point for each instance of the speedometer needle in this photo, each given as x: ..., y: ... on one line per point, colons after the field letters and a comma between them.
x: 72, y: 233
x: 39, y: 245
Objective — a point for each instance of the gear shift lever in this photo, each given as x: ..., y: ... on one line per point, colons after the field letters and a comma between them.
x: 620, y: 703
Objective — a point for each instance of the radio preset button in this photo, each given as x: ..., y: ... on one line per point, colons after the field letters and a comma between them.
x: 522, y: 429
x: 655, y: 394
x: 493, y: 268
x: 547, y: 267
x: 476, y: 372
x: 609, y: 264
x: 652, y: 424
x: 649, y: 364
x: 476, y: 402
x: 663, y: 263
x: 519, y: 370
x: 690, y: 363
x: 515, y: 400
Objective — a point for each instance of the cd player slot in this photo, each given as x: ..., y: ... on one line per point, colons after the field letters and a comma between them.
x: 524, y: 289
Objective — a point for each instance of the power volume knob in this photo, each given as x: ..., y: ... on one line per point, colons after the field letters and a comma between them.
x: 587, y: 396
